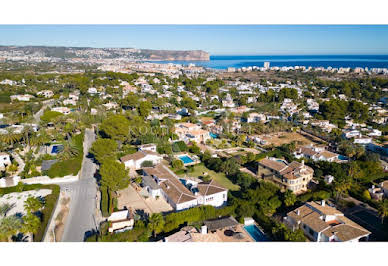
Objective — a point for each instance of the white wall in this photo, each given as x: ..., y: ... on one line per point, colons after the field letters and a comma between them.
x: 186, y: 205
x: 48, y: 180
x: 216, y: 200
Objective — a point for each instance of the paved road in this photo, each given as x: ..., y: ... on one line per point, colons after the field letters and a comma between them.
x: 368, y: 217
x: 38, y: 114
x: 83, y: 214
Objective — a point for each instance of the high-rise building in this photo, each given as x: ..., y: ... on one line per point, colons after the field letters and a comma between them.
x: 266, y: 65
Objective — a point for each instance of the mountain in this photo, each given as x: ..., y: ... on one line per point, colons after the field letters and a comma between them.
x: 101, y: 53
x: 168, y: 55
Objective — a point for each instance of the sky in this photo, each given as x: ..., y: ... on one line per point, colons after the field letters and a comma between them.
x: 215, y: 39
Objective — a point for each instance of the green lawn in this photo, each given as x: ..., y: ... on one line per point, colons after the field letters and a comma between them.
x: 220, y: 178
x: 71, y: 166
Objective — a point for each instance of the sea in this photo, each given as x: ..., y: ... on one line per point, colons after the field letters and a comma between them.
x: 335, y: 61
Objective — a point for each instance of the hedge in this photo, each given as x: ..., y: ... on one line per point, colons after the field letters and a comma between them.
x: 50, y: 202
x: 138, y: 234
x: 197, y: 214
x: 105, y: 208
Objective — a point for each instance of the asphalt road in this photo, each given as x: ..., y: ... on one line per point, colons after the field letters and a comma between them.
x: 82, y: 214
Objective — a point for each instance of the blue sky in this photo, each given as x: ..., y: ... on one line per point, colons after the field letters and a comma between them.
x: 215, y: 39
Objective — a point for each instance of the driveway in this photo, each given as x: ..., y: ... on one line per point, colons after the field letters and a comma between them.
x: 38, y: 114
x: 130, y: 198
x: 84, y: 215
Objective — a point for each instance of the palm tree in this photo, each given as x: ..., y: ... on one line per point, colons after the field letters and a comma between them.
x: 69, y: 150
x: 9, y: 226
x: 42, y: 138
x: 342, y: 187
x: 156, y: 223
x: 31, y: 223
x: 383, y: 210
x: 33, y: 204
x: 10, y: 138
x: 26, y: 133
x: 4, y: 209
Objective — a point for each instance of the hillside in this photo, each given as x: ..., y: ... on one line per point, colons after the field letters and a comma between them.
x: 100, y: 53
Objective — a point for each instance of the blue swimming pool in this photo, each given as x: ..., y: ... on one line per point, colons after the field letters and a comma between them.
x: 186, y: 159
x: 213, y: 136
x: 255, y: 233
x: 56, y: 148
x: 341, y: 157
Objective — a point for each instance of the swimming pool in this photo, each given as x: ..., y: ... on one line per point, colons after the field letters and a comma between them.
x: 213, y: 136
x: 341, y: 157
x: 186, y: 159
x: 255, y: 233
x: 56, y: 148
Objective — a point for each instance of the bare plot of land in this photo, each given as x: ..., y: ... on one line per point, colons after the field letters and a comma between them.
x: 280, y: 138
x: 17, y: 199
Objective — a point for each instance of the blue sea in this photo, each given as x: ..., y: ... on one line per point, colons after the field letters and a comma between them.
x: 238, y: 61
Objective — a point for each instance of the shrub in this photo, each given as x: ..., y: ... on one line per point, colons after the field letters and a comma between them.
x: 49, y: 116
x: 366, y: 195
x: 179, y: 146
x: 177, y: 164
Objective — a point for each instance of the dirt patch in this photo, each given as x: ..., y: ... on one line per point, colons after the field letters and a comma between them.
x: 60, y: 220
x: 280, y: 138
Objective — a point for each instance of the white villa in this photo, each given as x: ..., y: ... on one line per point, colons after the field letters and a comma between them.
x: 316, y: 154
x: 69, y: 102
x: 62, y: 110
x: 289, y: 106
x: 22, y: 98
x: 191, y: 132
x: 135, y: 160
x: 256, y: 117
x: 161, y: 181
x: 92, y: 91
x: 46, y: 93
x: 148, y: 147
